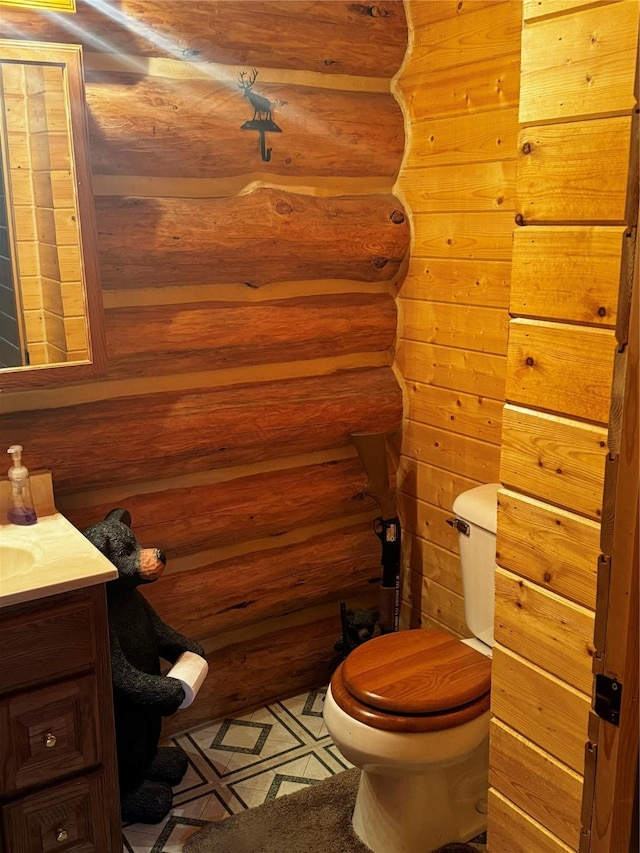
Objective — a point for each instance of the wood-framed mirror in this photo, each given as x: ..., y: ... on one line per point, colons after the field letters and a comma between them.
x: 51, y: 314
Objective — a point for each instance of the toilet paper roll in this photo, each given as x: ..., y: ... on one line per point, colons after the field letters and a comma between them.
x: 190, y: 670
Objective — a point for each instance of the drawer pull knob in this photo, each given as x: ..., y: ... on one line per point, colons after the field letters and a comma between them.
x: 61, y: 835
x: 50, y: 740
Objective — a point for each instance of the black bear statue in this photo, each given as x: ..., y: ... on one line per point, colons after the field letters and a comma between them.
x: 141, y: 694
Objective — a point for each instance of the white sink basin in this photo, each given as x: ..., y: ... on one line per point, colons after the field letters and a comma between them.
x: 15, y: 559
x: 47, y: 558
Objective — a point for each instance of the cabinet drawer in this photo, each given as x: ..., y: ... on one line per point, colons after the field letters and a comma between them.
x: 48, y: 733
x: 69, y: 817
x: 45, y: 642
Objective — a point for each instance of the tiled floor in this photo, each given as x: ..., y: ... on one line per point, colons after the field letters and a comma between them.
x: 239, y: 763
x: 236, y: 764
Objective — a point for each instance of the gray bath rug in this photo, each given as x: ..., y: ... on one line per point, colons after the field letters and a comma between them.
x: 317, y: 818
x: 314, y: 820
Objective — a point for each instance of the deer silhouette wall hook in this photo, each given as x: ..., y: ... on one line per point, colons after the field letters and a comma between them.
x: 262, y: 120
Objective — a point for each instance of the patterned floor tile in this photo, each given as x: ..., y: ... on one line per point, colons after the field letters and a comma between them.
x: 283, y: 778
x: 332, y: 751
x: 139, y: 842
x: 220, y: 804
x: 238, y: 743
x: 241, y: 762
x: 175, y: 833
x: 306, y: 711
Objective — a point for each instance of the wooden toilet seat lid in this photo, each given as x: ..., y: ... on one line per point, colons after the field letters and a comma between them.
x: 418, y: 671
x: 407, y: 723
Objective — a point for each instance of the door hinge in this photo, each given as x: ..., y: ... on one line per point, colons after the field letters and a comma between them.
x: 590, y: 758
x: 608, y: 695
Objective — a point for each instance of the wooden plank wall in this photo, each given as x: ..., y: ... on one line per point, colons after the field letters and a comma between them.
x: 577, y: 186
x: 11, y: 335
x: 460, y: 87
x: 44, y: 213
x: 250, y: 318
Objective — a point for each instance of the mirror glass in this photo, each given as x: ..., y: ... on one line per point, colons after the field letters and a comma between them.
x: 50, y: 299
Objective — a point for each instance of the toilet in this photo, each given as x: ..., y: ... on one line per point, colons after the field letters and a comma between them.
x: 411, y: 710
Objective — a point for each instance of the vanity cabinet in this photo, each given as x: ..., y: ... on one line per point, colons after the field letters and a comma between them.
x: 58, y: 772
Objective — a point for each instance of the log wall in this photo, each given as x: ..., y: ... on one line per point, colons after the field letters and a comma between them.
x: 460, y: 87
x: 577, y: 202
x: 249, y: 313
x: 251, y: 326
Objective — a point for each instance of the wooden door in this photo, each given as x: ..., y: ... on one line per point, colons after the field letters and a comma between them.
x: 609, y: 821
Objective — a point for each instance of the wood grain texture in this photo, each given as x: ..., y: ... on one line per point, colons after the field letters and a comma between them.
x: 561, y: 178
x: 204, y: 429
x: 494, y: 84
x: 464, y: 236
x: 147, y: 126
x: 459, y: 88
x: 540, y: 707
x: 201, y: 365
x: 513, y: 831
x: 567, y: 273
x: 548, y: 791
x: 561, y: 368
x: 463, y: 139
x: 479, y: 460
x: 71, y: 646
x: 81, y: 394
x: 566, y: 546
x: 448, y: 367
x: 390, y: 673
x: 426, y: 559
x: 477, y: 417
x: 255, y: 176
x: 580, y: 65
x: 433, y: 484
x: 429, y: 601
x: 157, y: 339
x: 215, y: 598
x: 488, y: 30
x: 463, y: 187
x: 546, y: 629
x: 424, y: 519
x: 471, y: 328
x: 329, y: 38
x: 577, y: 83
x: 268, y: 235
x: 464, y: 282
x: 424, y: 15
x: 539, y: 9
x: 613, y: 820
x: 215, y: 515
x: 555, y: 459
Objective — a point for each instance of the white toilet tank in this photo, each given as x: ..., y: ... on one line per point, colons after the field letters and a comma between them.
x: 476, y: 520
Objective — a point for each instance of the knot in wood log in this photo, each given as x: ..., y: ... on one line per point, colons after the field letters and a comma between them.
x: 284, y: 208
x: 372, y: 11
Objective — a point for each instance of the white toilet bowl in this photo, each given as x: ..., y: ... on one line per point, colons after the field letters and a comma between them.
x: 418, y: 789
x: 411, y: 709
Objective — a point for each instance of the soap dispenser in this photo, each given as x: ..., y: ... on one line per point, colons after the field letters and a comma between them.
x: 21, y: 509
